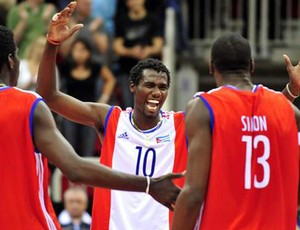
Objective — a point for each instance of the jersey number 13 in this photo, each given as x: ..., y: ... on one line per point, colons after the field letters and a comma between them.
x: 252, y: 143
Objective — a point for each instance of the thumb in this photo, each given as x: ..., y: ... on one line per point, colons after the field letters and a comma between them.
x: 287, y: 60
x: 75, y: 28
x: 177, y: 175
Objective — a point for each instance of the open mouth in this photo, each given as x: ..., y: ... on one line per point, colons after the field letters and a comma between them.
x: 152, y: 105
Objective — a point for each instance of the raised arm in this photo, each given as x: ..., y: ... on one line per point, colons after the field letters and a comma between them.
x: 91, y: 114
x: 49, y: 141
x: 194, y: 191
x: 292, y: 89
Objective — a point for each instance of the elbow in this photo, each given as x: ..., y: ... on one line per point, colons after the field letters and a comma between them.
x: 194, y: 198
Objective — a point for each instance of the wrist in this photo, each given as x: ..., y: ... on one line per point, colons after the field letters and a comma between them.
x: 292, y: 91
x: 148, y: 184
x: 53, y: 42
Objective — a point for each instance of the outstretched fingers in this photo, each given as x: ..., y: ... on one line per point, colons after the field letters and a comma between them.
x: 288, y: 62
x: 176, y: 175
x: 68, y: 10
x: 75, y: 28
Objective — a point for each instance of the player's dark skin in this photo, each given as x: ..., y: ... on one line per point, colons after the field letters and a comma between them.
x: 200, y: 143
x: 94, y: 114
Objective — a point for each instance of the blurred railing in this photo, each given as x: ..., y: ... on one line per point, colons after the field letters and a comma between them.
x: 267, y: 24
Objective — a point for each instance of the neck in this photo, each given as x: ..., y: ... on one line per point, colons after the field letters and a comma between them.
x: 240, y: 81
x: 145, y: 123
x: 4, y: 80
x: 77, y: 220
x: 137, y: 14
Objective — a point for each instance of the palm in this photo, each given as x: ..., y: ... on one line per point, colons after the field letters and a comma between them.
x: 294, y: 72
x: 59, y: 30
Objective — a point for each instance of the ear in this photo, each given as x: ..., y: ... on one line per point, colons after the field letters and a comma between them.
x: 10, y: 62
x: 252, y: 66
x: 211, y: 67
x: 132, y: 87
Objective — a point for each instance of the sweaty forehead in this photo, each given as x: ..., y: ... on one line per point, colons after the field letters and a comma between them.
x: 150, y: 75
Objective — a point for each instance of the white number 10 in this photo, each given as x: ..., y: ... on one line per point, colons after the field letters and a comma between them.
x: 252, y: 143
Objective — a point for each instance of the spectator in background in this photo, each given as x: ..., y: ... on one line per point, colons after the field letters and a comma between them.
x: 93, y: 31
x: 80, y: 74
x: 28, y: 20
x: 30, y: 64
x: 139, y: 35
x: 5, y: 5
x: 105, y: 9
x: 75, y: 216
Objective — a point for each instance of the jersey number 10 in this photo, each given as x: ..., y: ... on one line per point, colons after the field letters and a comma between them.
x: 252, y: 143
x: 145, y: 156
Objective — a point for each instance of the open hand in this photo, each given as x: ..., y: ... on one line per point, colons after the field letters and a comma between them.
x: 59, y: 30
x: 294, y: 74
x: 163, y: 190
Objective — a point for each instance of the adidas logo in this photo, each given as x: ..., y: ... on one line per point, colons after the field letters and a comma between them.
x: 123, y: 136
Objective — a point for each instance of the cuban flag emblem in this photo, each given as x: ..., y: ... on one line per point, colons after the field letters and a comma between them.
x: 163, y: 139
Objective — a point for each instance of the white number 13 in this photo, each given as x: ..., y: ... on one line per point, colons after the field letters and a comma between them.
x: 252, y: 143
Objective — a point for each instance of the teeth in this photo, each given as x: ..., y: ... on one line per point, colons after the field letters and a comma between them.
x: 153, y: 101
x: 152, y: 107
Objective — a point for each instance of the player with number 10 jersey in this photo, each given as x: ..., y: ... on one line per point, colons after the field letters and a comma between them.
x: 153, y: 153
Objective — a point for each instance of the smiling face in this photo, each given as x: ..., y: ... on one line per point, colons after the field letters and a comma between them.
x: 150, y: 93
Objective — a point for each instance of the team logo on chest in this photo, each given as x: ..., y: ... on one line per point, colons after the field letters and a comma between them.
x: 123, y: 136
x: 162, y: 139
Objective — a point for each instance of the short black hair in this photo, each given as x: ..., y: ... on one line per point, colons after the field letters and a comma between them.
x: 136, y: 73
x: 231, y: 52
x: 7, y: 44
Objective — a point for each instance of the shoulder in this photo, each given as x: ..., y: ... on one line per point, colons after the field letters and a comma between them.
x: 197, y: 115
x: 25, y: 93
x: 196, y: 108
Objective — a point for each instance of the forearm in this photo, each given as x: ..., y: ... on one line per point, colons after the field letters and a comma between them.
x: 186, y: 211
x: 123, y: 51
x: 47, y: 84
x: 107, y: 91
x: 101, y: 42
x: 156, y: 48
x: 19, y: 30
x: 102, y: 176
x: 120, y: 49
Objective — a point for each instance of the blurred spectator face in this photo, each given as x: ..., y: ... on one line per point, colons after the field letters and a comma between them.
x: 80, y: 53
x: 84, y: 7
x: 36, y: 1
x: 135, y: 4
x: 75, y: 202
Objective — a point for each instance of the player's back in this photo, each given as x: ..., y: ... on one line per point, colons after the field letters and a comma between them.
x: 253, y: 180
x: 24, y: 202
